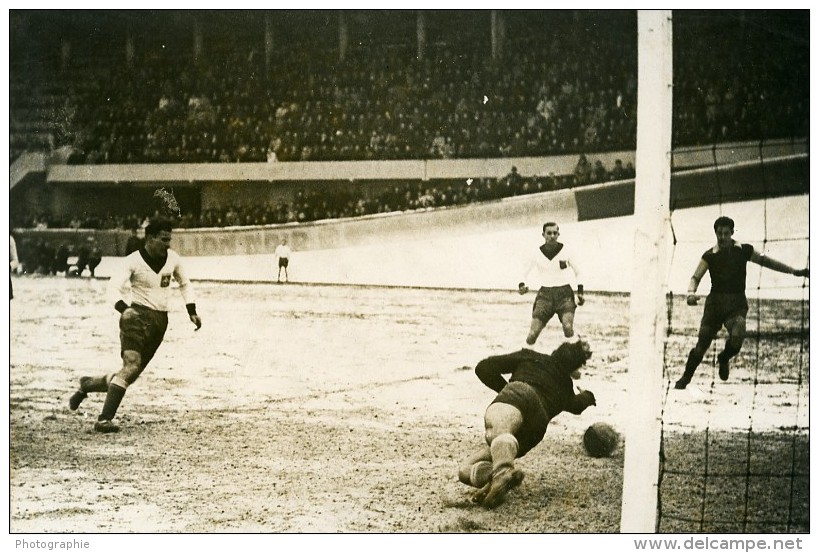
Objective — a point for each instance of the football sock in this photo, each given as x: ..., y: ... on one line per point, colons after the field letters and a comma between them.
x: 504, y: 449
x: 480, y: 474
x: 112, y: 401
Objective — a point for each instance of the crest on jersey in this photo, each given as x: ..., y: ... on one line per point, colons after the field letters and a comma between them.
x: 166, y: 281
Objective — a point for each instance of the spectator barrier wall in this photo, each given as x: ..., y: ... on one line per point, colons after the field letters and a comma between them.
x: 742, y: 181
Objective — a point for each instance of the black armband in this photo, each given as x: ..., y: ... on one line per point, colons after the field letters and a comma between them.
x: 121, y: 306
x: 191, y: 307
x: 579, y: 288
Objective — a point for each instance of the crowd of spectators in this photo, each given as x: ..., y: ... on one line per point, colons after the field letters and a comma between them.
x: 70, y: 258
x: 554, y: 93
x: 383, y: 107
x: 311, y: 204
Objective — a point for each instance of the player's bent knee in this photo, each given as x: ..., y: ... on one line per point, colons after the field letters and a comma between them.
x: 130, y: 374
x: 737, y: 330
x: 506, y: 419
x: 464, y: 473
x: 131, y: 357
x: 493, y: 430
x: 131, y: 366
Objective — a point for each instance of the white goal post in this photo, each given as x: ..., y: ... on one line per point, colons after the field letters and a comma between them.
x: 651, y: 253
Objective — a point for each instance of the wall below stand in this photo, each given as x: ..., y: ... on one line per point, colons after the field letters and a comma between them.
x: 485, y: 246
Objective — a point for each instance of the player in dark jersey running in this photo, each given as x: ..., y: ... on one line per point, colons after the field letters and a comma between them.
x: 726, y: 304
x: 540, y: 388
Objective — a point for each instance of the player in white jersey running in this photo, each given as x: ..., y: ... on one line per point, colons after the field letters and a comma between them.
x: 143, y: 290
x: 549, y: 269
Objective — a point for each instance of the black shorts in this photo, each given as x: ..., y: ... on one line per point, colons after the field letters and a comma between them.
x: 721, y: 308
x: 283, y: 261
x: 142, y: 331
x: 553, y: 300
x: 535, y: 418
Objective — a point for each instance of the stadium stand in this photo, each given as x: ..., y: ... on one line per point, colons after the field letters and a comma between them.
x: 94, y: 101
x: 547, y: 94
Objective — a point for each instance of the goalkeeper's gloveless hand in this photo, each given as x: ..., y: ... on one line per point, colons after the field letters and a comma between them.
x: 588, y: 398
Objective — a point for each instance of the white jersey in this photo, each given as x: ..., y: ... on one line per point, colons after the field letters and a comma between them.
x: 283, y: 251
x: 139, y: 283
x: 541, y: 271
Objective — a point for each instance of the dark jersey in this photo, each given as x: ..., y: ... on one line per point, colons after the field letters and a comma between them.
x: 727, y: 267
x: 552, y: 381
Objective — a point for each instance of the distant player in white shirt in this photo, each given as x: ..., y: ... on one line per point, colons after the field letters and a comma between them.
x: 549, y: 271
x: 283, y: 253
x: 143, y: 290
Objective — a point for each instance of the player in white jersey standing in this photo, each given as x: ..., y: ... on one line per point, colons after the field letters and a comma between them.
x: 143, y: 290
x: 549, y: 269
x: 283, y: 253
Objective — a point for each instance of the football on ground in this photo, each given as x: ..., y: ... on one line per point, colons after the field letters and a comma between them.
x: 600, y: 439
